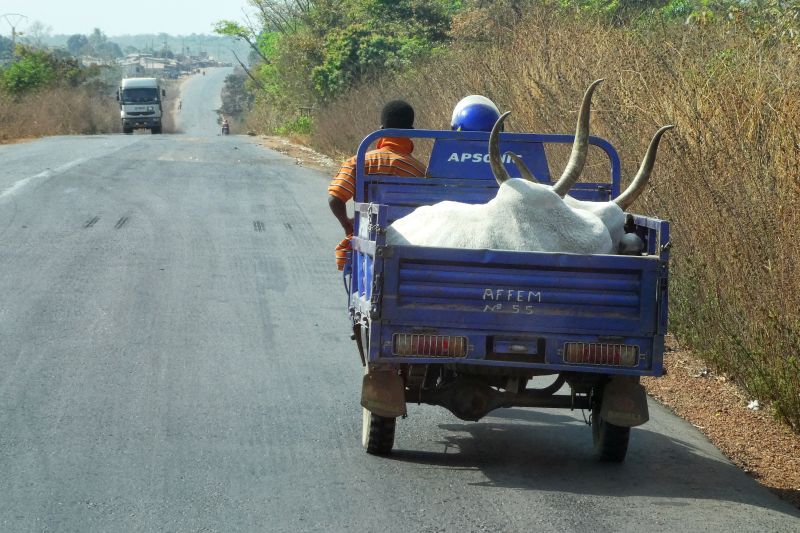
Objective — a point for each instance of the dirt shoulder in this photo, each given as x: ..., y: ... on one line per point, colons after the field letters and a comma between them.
x: 750, y: 437
x: 302, y: 155
x: 172, y: 104
x: 16, y: 140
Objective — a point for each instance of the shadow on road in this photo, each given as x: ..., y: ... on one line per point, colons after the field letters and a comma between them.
x: 553, y: 452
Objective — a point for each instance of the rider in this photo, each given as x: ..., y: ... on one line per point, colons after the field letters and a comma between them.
x: 474, y: 113
x: 225, y: 125
x: 392, y: 157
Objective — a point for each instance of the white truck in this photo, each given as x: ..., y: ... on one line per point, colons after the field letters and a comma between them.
x: 140, y: 104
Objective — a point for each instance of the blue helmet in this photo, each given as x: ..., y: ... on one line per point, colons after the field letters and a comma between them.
x: 474, y: 113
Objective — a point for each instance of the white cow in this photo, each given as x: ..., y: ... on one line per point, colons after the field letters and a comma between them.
x: 523, y: 216
x: 526, y: 215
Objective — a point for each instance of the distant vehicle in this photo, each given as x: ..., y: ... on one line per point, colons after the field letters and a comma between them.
x: 226, y: 129
x: 140, y: 104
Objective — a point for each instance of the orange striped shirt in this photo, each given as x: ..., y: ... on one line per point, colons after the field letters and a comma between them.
x: 392, y: 157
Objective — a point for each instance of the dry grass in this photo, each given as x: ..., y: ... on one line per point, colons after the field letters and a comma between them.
x: 727, y: 176
x: 57, y: 112
x: 264, y: 117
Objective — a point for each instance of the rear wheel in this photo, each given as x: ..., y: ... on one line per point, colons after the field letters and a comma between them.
x: 156, y: 130
x: 377, y: 433
x: 610, y: 441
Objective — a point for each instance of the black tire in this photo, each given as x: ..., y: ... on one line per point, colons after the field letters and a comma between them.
x: 127, y: 131
x: 377, y: 433
x: 156, y: 131
x: 610, y: 441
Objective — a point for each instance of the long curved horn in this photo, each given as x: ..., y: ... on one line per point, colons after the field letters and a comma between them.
x: 523, y: 169
x: 639, y: 182
x: 579, y: 148
x: 499, y: 171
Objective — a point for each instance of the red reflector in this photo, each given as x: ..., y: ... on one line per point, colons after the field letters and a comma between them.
x: 591, y: 353
x: 414, y: 345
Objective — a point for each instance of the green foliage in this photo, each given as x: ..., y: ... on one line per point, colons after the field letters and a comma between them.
x: 312, y: 51
x: 303, y: 125
x: 267, y: 43
x: 357, y: 50
x: 32, y: 71
x: 678, y: 9
x: 36, y: 69
x: 231, y: 28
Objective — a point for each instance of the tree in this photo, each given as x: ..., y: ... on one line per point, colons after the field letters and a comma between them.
x: 108, y: 50
x: 77, y: 44
x: 36, y: 33
x: 97, y: 38
x: 36, y: 69
x: 236, y: 30
x: 96, y: 44
x: 321, y: 47
x: 371, y: 35
x: 31, y: 71
x: 310, y: 51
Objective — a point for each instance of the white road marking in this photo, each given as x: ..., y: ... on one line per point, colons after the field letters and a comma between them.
x: 14, y: 189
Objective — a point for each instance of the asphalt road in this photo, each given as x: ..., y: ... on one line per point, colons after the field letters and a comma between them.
x: 175, y: 356
x: 201, y: 99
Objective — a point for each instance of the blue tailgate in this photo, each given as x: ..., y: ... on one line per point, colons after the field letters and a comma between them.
x: 533, y: 302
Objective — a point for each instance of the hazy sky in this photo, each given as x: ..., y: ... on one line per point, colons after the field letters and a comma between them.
x: 119, y: 17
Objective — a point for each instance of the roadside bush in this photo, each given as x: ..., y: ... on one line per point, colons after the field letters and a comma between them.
x: 31, y: 71
x: 236, y: 100
x: 300, y: 126
x: 60, y: 111
x: 34, y: 69
x: 48, y: 93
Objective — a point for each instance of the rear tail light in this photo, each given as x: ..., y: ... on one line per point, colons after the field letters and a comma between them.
x: 590, y: 353
x: 415, y: 345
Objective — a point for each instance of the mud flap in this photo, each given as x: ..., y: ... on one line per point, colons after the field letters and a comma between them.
x: 624, y: 402
x: 357, y: 336
x: 383, y: 393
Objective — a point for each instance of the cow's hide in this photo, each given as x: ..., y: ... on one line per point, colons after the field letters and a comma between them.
x: 610, y: 213
x: 523, y: 216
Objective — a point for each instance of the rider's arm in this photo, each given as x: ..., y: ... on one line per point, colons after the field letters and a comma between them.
x: 340, y: 191
x: 339, y: 210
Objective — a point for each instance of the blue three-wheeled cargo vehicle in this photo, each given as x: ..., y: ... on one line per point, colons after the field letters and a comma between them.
x: 471, y: 330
